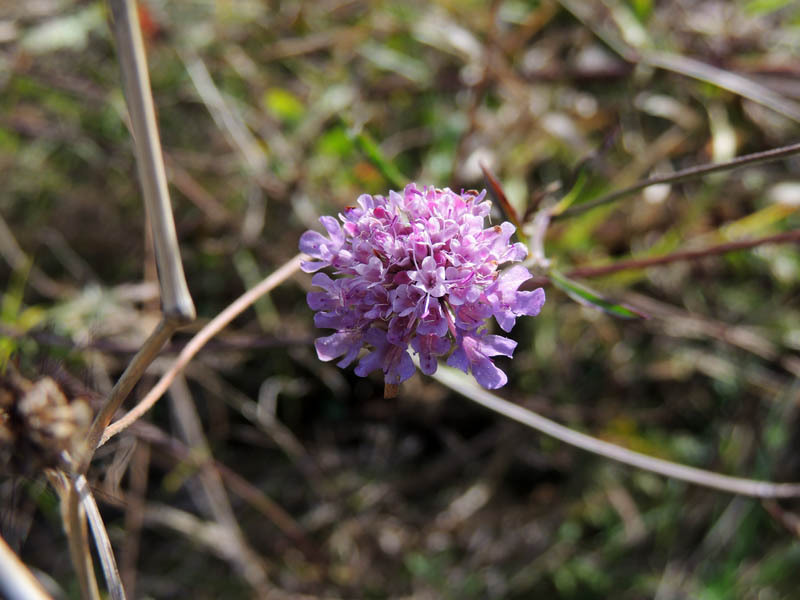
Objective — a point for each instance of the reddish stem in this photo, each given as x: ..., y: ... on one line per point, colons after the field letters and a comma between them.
x: 643, y: 263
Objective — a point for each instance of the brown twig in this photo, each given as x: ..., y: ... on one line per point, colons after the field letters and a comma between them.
x: 685, y: 175
x: 643, y: 263
x: 499, y: 196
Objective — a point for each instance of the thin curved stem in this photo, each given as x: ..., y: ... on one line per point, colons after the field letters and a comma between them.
x: 684, y: 175
x: 200, y: 339
x: 734, y: 485
x: 654, y: 261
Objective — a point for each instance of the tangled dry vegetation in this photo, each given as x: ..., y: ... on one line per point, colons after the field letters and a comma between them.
x: 264, y: 472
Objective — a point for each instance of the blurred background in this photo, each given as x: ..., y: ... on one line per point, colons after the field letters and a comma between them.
x: 264, y: 463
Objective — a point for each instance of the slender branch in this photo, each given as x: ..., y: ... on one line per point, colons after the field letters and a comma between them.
x: 176, y: 300
x: 685, y: 175
x: 79, y: 546
x: 735, y: 485
x: 643, y: 263
x: 200, y: 339
x: 102, y: 543
x: 122, y: 388
x: 654, y: 261
x: 499, y: 196
x: 77, y: 538
x: 16, y: 581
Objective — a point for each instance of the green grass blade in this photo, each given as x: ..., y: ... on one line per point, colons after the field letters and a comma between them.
x: 588, y: 297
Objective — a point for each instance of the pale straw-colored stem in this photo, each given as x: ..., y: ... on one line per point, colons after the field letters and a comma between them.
x: 122, y: 388
x: 175, y: 299
x: 102, y: 543
x: 77, y: 536
x: 200, y: 339
x: 16, y: 581
x: 460, y: 383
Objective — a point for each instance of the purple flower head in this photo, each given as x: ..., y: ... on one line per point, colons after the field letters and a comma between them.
x: 417, y: 270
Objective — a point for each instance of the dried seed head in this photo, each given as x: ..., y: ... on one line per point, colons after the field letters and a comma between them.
x: 37, y: 422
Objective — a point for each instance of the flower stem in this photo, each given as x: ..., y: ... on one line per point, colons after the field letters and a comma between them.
x: 734, y: 485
